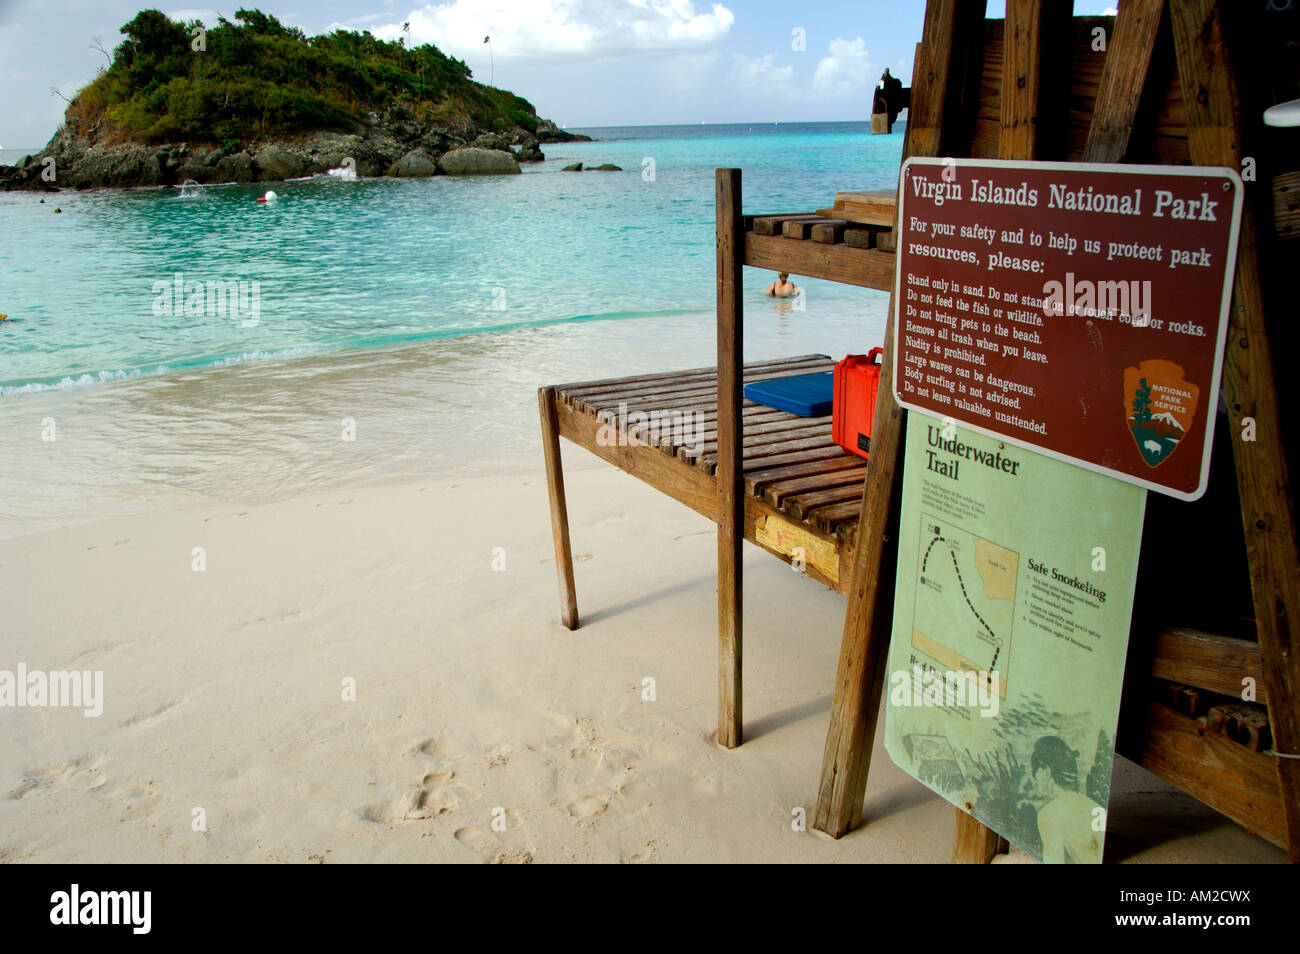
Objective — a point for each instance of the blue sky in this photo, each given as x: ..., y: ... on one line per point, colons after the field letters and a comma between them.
x: 580, y: 62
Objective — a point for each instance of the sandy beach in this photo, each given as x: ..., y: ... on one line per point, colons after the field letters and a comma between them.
x: 224, y: 692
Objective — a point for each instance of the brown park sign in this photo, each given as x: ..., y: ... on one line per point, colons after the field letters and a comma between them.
x: 1077, y: 309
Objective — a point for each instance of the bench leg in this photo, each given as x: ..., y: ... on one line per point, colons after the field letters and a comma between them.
x: 974, y: 844
x: 559, y: 512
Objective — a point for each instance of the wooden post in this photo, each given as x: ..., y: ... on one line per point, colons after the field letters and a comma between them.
x: 731, y: 489
x: 559, y: 511
x: 865, y: 641
x: 1123, y: 77
x: 974, y: 843
x: 1022, y: 58
x: 1214, y: 134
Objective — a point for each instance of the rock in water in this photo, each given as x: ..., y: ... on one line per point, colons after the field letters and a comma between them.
x: 605, y: 167
x: 491, y: 141
x: 530, y: 152
x: 471, y: 161
x: 572, y: 167
x: 274, y: 163
x: 415, y: 163
x: 237, y: 167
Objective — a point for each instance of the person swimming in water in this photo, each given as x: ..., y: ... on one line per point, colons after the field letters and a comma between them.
x: 783, y: 287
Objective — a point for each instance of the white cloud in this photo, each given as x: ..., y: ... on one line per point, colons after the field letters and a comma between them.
x: 845, y: 70
x: 760, y: 75
x: 563, y: 29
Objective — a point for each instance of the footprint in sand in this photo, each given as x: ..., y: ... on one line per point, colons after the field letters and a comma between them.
x: 80, y: 774
x: 109, y: 546
x: 584, y: 557
x: 488, y: 846
x: 644, y: 856
x: 144, y: 717
x: 591, y: 772
x: 435, y: 796
x: 588, y: 806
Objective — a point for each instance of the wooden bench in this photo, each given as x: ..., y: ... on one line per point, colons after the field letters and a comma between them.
x: 762, y: 475
x: 803, y: 492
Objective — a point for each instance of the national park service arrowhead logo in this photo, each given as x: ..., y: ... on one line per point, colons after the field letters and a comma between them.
x: 1161, y: 406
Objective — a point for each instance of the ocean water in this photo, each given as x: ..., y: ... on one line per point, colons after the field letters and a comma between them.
x: 427, y: 312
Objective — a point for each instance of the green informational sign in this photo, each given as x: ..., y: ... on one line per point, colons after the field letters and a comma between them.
x: 1011, y: 618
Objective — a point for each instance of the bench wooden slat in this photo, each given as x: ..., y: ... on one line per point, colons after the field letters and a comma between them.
x: 695, y: 384
x: 777, y: 492
x: 756, y: 479
x: 579, y: 387
x: 803, y: 503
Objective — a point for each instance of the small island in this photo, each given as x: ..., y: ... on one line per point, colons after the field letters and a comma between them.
x: 254, y: 100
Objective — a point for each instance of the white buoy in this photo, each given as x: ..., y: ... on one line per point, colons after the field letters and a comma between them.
x: 270, y: 197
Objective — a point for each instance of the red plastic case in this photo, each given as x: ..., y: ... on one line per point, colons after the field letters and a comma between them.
x: 857, y: 380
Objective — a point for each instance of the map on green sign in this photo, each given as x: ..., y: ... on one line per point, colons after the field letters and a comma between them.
x: 1011, y: 617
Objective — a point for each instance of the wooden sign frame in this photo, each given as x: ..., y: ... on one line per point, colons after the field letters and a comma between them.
x: 1035, y: 88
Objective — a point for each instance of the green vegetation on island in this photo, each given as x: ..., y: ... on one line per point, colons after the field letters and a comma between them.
x: 254, y: 99
x: 257, y: 78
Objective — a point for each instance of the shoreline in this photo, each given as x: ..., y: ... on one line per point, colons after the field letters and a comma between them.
x: 261, y: 431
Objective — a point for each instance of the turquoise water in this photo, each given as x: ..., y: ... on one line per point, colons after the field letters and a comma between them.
x: 401, y: 301
x: 369, y: 263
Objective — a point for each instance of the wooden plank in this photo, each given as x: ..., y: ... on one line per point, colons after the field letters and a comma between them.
x: 683, y: 394
x: 704, y: 377
x: 1243, y: 722
x: 1123, y: 77
x: 861, y: 238
x: 758, y: 478
x: 885, y: 198
x: 1214, y: 137
x: 1207, y: 661
x: 861, y: 215
x: 748, y: 221
x: 836, y: 515
x: 730, y: 480
x: 1286, y: 205
x: 764, y: 445
x: 559, y: 509
x: 1021, y: 63
x: 973, y: 843
x: 866, y: 268
x: 1214, y: 770
x: 829, y: 232
x: 773, y: 224
x: 582, y: 387
x: 826, y: 451
x: 802, y: 504
x: 778, y: 490
x: 800, y: 228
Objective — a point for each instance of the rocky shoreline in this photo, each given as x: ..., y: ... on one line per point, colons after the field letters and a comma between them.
x: 393, y: 144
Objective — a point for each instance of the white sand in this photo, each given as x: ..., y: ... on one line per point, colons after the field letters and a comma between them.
x: 223, y: 692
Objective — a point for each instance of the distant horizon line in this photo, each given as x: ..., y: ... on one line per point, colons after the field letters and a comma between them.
x: 754, y: 122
